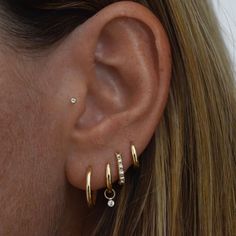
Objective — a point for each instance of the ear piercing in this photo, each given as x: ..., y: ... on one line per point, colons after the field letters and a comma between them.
x: 134, y: 156
x: 89, y: 196
x: 108, y: 178
x: 109, y: 192
x: 120, y: 169
x: 73, y: 100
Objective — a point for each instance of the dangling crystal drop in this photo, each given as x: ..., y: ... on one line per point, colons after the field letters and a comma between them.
x: 111, y: 203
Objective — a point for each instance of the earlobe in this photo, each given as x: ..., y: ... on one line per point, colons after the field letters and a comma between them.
x: 127, y: 64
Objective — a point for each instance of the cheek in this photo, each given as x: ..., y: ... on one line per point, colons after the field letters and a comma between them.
x: 30, y: 137
x: 32, y: 157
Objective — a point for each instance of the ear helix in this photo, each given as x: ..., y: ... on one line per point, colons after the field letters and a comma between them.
x: 109, y: 192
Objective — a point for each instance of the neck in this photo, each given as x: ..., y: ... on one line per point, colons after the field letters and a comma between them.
x: 78, y: 219
x: 75, y: 214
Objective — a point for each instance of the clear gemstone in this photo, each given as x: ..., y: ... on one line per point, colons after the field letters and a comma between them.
x: 73, y: 100
x: 111, y: 203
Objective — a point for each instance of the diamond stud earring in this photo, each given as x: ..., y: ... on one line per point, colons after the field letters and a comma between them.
x: 73, y: 100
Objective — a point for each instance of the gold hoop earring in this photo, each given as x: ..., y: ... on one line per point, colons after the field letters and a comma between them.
x: 89, y: 196
x: 120, y: 169
x: 134, y: 156
x: 108, y: 178
x: 109, y: 193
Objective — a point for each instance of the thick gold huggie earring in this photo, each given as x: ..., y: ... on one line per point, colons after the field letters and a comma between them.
x: 134, y: 156
x: 89, y: 196
x: 120, y: 169
x: 109, y: 193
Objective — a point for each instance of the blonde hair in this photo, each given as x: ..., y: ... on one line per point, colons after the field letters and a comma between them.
x: 187, y: 180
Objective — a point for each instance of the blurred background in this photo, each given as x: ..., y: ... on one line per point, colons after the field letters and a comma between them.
x: 226, y: 11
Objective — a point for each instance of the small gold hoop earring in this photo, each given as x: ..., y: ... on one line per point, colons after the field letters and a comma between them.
x: 134, y: 156
x: 120, y: 169
x: 109, y: 192
x: 89, y: 196
x: 108, y: 178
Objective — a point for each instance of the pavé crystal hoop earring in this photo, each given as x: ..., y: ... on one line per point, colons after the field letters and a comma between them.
x: 134, y: 156
x: 120, y: 169
x: 109, y: 193
x: 91, y: 198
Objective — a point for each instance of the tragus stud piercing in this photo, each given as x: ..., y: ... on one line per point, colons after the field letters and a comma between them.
x: 73, y: 100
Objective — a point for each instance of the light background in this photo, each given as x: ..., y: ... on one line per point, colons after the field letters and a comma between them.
x: 226, y: 11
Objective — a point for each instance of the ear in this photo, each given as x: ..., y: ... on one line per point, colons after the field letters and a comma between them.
x: 122, y: 60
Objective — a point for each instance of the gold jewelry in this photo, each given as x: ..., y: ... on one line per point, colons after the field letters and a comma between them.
x: 73, y: 100
x: 134, y: 156
x: 109, y: 192
x: 108, y: 177
x: 120, y: 169
x: 110, y: 196
x: 89, y: 196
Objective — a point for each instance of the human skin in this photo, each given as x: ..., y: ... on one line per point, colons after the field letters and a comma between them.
x: 47, y: 143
